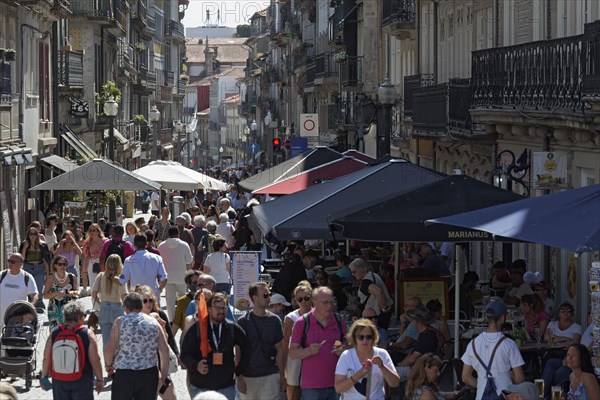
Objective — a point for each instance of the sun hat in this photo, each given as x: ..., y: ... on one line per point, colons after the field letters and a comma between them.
x: 276, y: 298
x: 421, y: 313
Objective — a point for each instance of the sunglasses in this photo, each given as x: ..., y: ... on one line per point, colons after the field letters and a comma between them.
x: 565, y: 310
x: 267, y: 295
x: 364, y: 337
x: 371, y: 317
x: 62, y: 264
x: 146, y: 301
x: 14, y: 261
x: 301, y: 299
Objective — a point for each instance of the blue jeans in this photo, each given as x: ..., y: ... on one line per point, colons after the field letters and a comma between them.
x: 554, y: 374
x: 108, y: 313
x: 319, y: 394
x: 228, y: 392
x: 38, y: 271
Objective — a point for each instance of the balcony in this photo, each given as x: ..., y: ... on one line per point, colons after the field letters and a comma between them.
x: 70, y: 70
x: 410, y: 84
x: 61, y: 8
x: 113, y: 13
x: 351, y: 71
x: 125, y: 57
x: 175, y: 32
x: 181, y: 87
x: 326, y: 68
x: 150, y: 30
x: 139, y: 13
x: 399, y: 18
x: 165, y: 94
x: 443, y: 108
x: 343, y: 24
x: 5, y: 84
x: 146, y: 80
x: 169, y: 78
x: 543, y: 76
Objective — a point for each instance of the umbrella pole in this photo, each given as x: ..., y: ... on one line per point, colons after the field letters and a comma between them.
x: 457, y: 260
x: 348, y: 247
x: 396, y: 271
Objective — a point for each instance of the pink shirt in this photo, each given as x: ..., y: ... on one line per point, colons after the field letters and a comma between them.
x: 318, y: 371
x: 542, y: 316
x: 128, y: 249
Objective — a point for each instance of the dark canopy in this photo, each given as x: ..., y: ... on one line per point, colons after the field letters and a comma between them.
x: 569, y: 219
x: 305, y: 214
x: 295, y: 165
x: 402, y: 217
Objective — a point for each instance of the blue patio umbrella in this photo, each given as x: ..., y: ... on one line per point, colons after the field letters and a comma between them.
x: 568, y: 219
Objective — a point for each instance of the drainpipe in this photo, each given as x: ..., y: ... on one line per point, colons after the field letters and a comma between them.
x: 55, y: 113
x: 435, y: 40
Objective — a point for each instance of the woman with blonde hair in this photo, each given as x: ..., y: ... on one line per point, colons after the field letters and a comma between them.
x: 421, y: 384
x: 364, y: 361
x: 92, y: 246
x: 109, y: 294
x: 302, y: 301
x: 151, y: 307
x: 68, y: 248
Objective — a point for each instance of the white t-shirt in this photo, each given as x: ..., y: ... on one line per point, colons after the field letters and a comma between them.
x: 176, y: 255
x: 349, y: 363
x: 520, y: 291
x: 507, y: 357
x: 154, y: 201
x: 217, y: 262
x: 12, y: 289
x: 575, y: 328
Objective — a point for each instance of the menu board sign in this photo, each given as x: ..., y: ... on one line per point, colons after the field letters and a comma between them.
x: 426, y: 289
x: 245, y: 267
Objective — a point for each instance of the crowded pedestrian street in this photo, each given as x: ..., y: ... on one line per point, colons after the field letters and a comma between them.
x: 300, y: 200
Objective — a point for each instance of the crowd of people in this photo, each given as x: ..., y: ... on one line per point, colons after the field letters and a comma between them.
x: 311, y: 334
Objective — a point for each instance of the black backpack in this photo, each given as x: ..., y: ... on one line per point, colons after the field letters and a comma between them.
x: 489, y: 393
x: 306, y: 318
x: 116, y: 247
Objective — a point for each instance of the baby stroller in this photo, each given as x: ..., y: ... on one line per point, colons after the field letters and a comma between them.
x: 18, y: 339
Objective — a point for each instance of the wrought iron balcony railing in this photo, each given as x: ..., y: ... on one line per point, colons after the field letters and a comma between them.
x: 410, y: 84
x: 325, y: 66
x: 5, y: 84
x: 70, y: 69
x: 151, y: 27
x: 443, y: 107
x: 544, y: 75
x: 180, y: 87
x: 175, y: 31
x: 125, y: 55
x: 139, y: 13
x: 169, y: 78
x: 111, y: 12
x: 351, y: 71
x: 399, y: 12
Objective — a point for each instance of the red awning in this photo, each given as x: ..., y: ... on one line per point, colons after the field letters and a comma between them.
x: 325, y: 172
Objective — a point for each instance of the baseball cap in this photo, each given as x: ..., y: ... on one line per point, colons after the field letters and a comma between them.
x: 495, y: 309
x: 526, y: 389
x: 276, y: 298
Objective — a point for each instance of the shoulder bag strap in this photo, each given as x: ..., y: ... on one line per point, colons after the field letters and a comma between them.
x: 488, y: 367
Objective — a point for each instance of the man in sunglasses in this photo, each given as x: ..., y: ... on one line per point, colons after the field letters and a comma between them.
x: 263, y: 376
x: 15, y: 284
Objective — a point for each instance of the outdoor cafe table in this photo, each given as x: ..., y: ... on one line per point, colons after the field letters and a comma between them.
x: 534, y: 351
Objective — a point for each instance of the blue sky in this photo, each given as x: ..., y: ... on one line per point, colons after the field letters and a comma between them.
x: 232, y: 12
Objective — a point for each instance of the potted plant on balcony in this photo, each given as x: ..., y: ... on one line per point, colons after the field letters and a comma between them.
x: 140, y: 46
x: 2, y: 54
x: 184, y: 78
x: 109, y: 89
x: 10, y: 54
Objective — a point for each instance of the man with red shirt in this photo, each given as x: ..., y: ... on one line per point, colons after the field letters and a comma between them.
x: 315, y: 347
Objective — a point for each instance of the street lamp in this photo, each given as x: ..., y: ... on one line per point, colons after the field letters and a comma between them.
x: 387, y: 97
x: 253, y: 128
x: 178, y: 129
x: 268, y: 119
x: 111, y: 108
x: 221, y: 155
x: 154, y: 117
